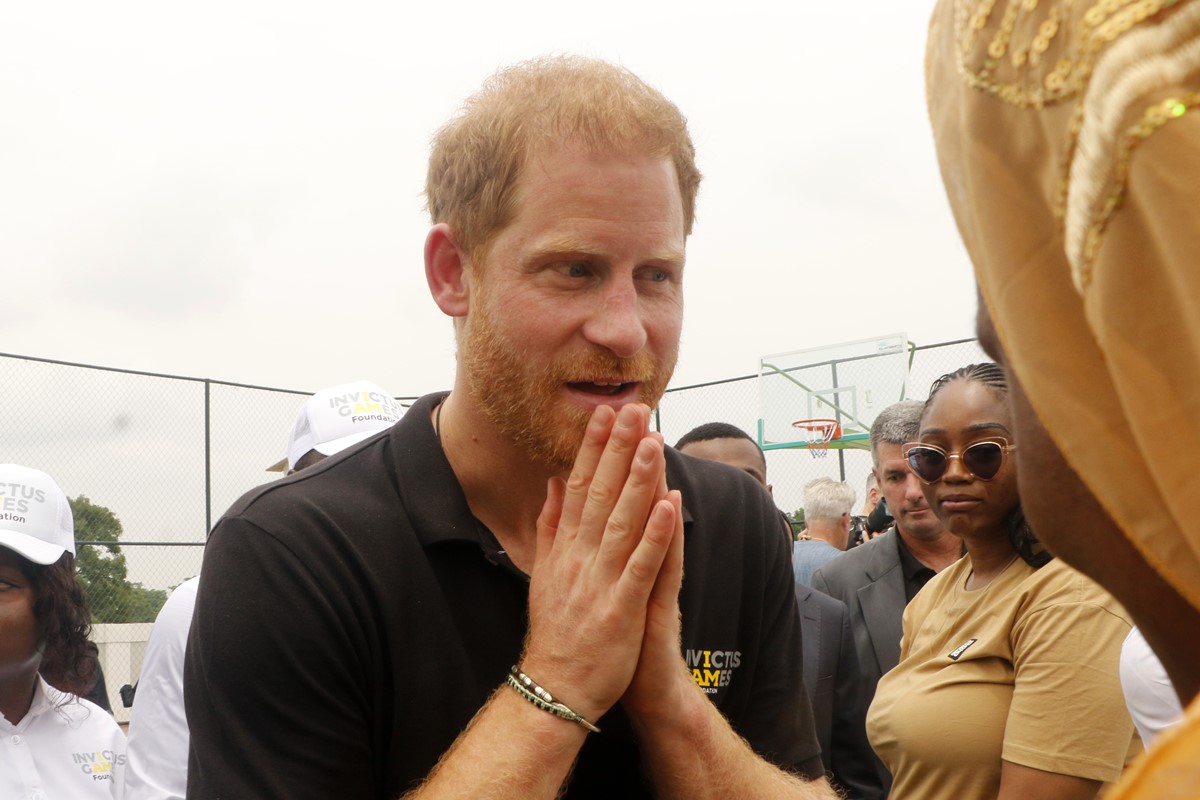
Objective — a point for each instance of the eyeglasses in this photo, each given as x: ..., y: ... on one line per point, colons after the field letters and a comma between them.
x: 982, y: 459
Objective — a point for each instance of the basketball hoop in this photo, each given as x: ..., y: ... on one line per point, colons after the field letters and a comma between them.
x: 820, y: 433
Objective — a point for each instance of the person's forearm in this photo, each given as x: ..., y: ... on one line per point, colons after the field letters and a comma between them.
x: 698, y: 755
x: 510, y: 749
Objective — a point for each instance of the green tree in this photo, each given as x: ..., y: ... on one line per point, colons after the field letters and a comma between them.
x: 102, y: 569
x: 796, y: 520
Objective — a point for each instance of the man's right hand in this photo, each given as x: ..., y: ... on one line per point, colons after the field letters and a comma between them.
x: 602, y: 537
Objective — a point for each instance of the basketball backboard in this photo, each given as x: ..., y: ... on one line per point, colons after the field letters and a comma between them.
x: 849, y: 383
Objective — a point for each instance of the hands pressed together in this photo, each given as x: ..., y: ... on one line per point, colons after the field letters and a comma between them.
x: 604, y: 590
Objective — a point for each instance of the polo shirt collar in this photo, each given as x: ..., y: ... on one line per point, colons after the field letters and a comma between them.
x: 427, y: 484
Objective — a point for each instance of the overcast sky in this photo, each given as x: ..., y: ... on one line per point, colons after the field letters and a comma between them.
x: 232, y: 190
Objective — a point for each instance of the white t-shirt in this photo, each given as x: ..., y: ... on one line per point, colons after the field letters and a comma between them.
x: 1149, y: 695
x: 158, y: 728
x: 64, y: 748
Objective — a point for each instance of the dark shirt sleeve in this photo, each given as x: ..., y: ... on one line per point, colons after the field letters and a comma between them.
x: 99, y: 691
x: 273, y: 677
x: 853, y: 759
x: 781, y: 711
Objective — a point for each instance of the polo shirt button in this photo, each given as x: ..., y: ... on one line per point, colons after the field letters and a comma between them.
x: 15, y: 739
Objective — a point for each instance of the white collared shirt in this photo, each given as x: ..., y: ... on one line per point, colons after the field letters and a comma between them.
x: 1149, y: 694
x: 64, y: 748
x: 158, y: 729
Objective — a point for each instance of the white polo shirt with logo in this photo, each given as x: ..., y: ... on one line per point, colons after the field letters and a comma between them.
x: 65, y: 747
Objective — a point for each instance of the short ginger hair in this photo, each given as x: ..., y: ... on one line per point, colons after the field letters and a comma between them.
x: 531, y: 107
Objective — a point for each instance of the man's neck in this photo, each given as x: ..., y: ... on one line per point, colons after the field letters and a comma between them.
x: 504, y: 488
x: 936, y: 553
x: 831, y: 536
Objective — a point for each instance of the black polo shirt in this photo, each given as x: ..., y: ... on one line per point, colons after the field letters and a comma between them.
x: 351, y: 620
x: 916, y: 574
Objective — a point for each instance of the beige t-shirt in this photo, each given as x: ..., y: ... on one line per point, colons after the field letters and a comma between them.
x: 1024, y: 669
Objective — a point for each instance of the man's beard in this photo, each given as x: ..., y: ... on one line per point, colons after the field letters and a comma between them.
x: 523, y: 399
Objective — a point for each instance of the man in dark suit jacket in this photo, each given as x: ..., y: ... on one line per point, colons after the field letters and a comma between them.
x: 835, y: 688
x: 876, y: 580
x: 830, y: 669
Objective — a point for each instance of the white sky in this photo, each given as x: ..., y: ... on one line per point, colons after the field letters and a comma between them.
x: 232, y: 190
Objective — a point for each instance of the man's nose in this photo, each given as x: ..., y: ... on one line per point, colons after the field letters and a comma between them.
x: 616, y: 322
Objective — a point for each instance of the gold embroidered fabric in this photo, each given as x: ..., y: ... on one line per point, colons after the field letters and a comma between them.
x: 1117, y: 163
x: 1068, y: 136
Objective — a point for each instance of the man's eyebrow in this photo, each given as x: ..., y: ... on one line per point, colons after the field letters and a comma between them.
x: 575, y: 247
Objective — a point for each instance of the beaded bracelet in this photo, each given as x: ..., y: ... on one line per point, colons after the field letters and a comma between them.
x: 527, y: 688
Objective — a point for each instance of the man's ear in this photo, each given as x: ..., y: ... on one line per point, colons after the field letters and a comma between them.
x: 446, y: 273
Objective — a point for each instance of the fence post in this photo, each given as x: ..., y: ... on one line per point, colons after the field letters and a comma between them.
x: 207, y: 458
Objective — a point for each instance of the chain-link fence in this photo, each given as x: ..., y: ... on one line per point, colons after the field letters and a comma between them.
x: 158, y: 458
x: 736, y: 401
x: 167, y: 455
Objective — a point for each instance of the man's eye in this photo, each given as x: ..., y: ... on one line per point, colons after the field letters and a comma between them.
x: 578, y: 269
x: 656, y: 274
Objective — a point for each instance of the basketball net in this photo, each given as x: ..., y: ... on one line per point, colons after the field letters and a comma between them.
x: 820, y: 432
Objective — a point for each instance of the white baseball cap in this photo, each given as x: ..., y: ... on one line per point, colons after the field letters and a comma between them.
x: 35, y: 517
x: 335, y: 418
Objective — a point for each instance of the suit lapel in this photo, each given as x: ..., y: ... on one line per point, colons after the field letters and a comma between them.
x: 883, y: 602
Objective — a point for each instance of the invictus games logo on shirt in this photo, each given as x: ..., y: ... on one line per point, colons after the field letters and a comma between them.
x: 712, y: 669
x: 98, y: 764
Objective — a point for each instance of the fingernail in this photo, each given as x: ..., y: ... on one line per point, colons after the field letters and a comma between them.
x: 600, y: 416
x: 628, y: 417
x: 645, y: 451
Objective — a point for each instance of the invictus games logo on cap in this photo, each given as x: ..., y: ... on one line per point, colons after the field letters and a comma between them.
x: 712, y: 669
x: 366, y: 406
x: 15, y: 499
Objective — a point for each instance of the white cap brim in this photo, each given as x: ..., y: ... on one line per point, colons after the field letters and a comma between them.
x: 36, y: 550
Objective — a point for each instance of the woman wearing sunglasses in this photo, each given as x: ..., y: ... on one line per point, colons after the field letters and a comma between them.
x: 1007, y: 685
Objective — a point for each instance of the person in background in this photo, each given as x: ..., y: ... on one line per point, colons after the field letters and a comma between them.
x: 729, y: 444
x: 826, y: 534
x: 726, y: 444
x: 1150, y: 696
x: 831, y: 673
x: 877, y: 580
x: 53, y: 743
x: 329, y: 422
x: 867, y: 521
x: 1007, y: 685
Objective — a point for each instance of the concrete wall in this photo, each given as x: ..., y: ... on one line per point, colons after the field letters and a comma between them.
x: 122, y: 648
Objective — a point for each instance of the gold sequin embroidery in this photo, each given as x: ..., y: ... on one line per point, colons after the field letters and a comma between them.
x: 1151, y: 121
x: 1074, y: 56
